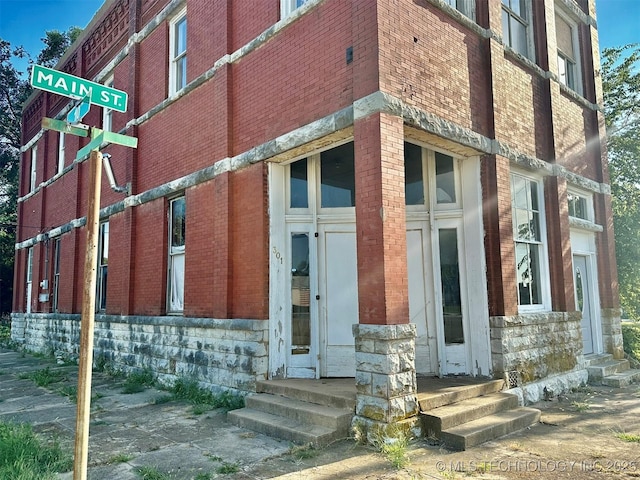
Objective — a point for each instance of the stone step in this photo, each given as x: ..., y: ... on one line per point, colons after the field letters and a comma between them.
x: 595, y: 358
x: 488, y: 428
x: 622, y: 379
x: 336, y: 393
x: 434, y: 398
x: 605, y: 369
x: 449, y: 416
x: 304, y: 412
x: 282, y: 427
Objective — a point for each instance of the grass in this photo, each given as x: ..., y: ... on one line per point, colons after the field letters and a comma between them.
x: 44, y: 377
x: 138, y: 381
x: 628, y: 437
x: 151, y: 473
x: 580, y: 406
x: 303, y: 452
x: 202, y: 399
x: 227, y: 468
x: 393, y: 445
x: 25, y: 456
x: 71, y: 392
x: 5, y: 334
x: 119, y: 458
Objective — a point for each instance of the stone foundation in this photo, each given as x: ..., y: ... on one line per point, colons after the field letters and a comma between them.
x: 385, y: 379
x: 220, y: 354
x: 612, y: 332
x: 535, y: 346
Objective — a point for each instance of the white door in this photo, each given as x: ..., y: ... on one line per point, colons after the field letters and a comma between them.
x: 338, y: 299
x: 584, y: 301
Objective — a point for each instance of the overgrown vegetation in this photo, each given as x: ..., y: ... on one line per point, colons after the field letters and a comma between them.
x: 151, y: 473
x: 393, y: 443
x: 631, y: 338
x: 303, y: 452
x: 25, y: 456
x: 202, y: 399
x: 44, y: 377
x: 138, y: 381
x: 119, y: 458
x: 628, y: 437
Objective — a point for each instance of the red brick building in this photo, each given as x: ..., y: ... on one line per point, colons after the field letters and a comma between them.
x: 332, y: 188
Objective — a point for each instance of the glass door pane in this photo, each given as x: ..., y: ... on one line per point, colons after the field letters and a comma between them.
x: 450, y: 278
x: 300, y: 305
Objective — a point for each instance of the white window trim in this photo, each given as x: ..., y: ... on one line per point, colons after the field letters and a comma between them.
x: 287, y: 7
x: 531, y: 50
x: 101, y: 243
x: 588, y: 200
x: 575, y: 39
x: 545, y: 283
x: 61, y: 146
x: 173, y: 87
x: 32, y: 168
x: 56, y: 275
x: 107, y: 113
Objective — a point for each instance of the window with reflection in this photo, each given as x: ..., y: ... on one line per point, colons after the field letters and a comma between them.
x: 337, y: 177
x: 298, y: 185
x: 300, y: 295
x: 413, y: 176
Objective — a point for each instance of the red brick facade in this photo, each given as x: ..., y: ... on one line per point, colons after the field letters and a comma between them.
x: 253, y: 84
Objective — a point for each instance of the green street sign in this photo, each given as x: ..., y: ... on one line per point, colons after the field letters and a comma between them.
x: 64, y: 127
x: 105, y: 137
x: 67, y: 85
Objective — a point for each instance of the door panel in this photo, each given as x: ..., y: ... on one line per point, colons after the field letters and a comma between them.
x: 339, y: 299
x: 583, y: 301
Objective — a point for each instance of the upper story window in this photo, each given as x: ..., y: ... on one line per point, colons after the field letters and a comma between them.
x: 568, y: 51
x: 529, y: 236
x: 61, y: 139
x: 580, y: 206
x: 516, y: 26
x: 32, y: 169
x: 466, y: 7
x: 178, y: 53
x: 288, y: 6
x: 107, y: 113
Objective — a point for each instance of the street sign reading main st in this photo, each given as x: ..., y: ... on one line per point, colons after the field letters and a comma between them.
x: 75, y: 87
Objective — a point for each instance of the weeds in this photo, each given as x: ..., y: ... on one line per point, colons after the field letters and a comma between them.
x: 580, y: 406
x: 138, y: 381
x: 203, y: 476
x: 393, y: 444
x: 202, y: 399
x: 120, y: 458
x: 25, y: 456
x: 303, y: 452
x: 44, y: 377
x: 71, y: 392
x: 628, y: 437
x: 227, y: 468
x: 151, y: 473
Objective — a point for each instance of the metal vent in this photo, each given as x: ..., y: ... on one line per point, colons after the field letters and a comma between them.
x: 513, y: 379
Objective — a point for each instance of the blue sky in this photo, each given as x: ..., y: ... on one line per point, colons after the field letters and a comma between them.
x: 23, y: 22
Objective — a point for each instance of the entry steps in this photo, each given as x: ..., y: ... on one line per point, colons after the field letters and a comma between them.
x: 465, y: 415
x: 301, y: 411
x: 605, y: 370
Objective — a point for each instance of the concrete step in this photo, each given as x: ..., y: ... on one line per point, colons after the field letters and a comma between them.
x: 282, y: 427
x: 336, y: 393
x: 449, y: 416
x: 595, y: 358
x: 434, y: 398
x: 303, y: 412
x: 488, y: 428
x: 622, y: 379
x: 605, y: 369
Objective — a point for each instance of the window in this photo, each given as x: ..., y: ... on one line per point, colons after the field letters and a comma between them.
x: 175, y: 296
x: 61, y: 139
x: 287, y: 7
x: 178, y: 53
x: 103, y: 260
x: 29, y: 278
x: 466, y: 7
x: 32, y: 175
x: 56, y: 274
x: 568, y: 51
x: 580, y: 206
x: 528, y: 235
x: 515, y: 25
x: 432, y: 172
x: 107, y: 113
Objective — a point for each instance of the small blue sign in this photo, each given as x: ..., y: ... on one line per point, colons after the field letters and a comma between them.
x: 78, y: 112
